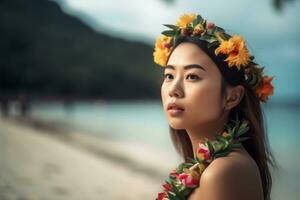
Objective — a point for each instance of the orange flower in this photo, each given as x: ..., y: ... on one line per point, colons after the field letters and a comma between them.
x: 266, y: 89
x: 225, y: 47
x: 238, y: 59
x: 235, y: 48
x: 162, y: 50
x: 185, y: 19
x: 225, y: 134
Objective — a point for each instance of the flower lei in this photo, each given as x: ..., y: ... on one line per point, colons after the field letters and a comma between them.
x: 186, y: 176
x: 233, y: 47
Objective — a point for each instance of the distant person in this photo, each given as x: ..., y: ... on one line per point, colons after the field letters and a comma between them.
x: 211, y: 96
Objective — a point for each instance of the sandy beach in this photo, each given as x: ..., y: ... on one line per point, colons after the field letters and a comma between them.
x: 40, y: 164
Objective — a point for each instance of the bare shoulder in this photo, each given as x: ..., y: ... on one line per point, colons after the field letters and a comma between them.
x: 233, y: 177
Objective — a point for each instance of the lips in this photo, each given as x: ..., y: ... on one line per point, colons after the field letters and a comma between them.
x: 174, y: 106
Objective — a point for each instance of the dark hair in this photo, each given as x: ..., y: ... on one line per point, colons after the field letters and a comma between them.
x: 249, y: 108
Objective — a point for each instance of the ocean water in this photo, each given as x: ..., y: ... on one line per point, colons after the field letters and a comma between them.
x: 145, y: 123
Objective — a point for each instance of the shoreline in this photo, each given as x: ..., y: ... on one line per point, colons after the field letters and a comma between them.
x: 110, y: 149
x: 41, y: 162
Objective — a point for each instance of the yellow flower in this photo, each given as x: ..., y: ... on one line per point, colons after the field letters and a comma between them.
x: 235, y: 48
x: 238, y: 59
x: 160, y: 57
x: 201, y: 167
x: 225, y: 47
x: 185, y: 19
x: 162, y: 50
x: 198, y: 29
x: 193, y: 173
x: 162, y: 41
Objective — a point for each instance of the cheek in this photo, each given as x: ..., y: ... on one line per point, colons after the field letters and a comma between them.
x: 164, y: 94
x: 203, y: 102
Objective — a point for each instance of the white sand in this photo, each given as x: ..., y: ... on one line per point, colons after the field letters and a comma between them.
x: 35, y: 165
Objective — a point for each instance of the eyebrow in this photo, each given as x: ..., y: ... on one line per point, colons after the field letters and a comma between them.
x: 186, y: 67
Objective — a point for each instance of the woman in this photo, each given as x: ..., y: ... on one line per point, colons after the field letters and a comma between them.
x: 211, y: 96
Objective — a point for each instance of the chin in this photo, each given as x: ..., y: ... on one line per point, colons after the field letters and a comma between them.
x: 176, y: 124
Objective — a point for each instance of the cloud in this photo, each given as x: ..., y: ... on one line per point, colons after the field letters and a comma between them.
x: 273, y: 37
x: 145, y: 18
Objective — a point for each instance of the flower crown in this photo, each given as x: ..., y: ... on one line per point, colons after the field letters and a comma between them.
x: 233, y: 47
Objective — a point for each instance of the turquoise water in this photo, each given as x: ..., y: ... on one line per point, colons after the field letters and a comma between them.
x: 131, y: 121
x: 145, y: 123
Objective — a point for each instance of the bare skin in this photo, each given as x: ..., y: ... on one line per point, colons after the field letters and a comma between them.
x: 198, y: 91
x: 233, y: 177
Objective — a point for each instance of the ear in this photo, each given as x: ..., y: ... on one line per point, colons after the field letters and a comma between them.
x: 234, y: 96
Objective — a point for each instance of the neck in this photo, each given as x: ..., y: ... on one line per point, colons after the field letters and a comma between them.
x: 197, y: 134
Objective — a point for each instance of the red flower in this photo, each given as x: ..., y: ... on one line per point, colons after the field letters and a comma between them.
x: 167, y: 187
x: 203, y: 152
x: 164, y: 194
x: 188, y: 180
x: 161, y: 196
x: 174, y: 174
x: 210, y: 25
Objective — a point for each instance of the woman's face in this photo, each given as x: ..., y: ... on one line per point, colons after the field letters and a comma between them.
x: 193, y: 82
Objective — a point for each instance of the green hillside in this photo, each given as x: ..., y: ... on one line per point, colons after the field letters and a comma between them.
x: 46, y: 52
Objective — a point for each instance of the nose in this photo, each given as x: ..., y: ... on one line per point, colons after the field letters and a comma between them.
x: 176, y: 90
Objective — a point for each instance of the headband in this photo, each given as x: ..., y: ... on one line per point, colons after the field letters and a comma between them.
x: 230, y: 53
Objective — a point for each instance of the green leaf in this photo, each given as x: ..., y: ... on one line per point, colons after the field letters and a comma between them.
x: 182, y: 166
x: 209, y: 38
x: 234, y: 131
x: 198, y: 20
x: 171, y: 26
x: 218, y: 146
x: 243, y: 128
x: 209, y: 145
x: 199, y: 161
x: 253, y: 79
x: 175, y: 192
x: 173, y: 197
x: 242, y: 131
x: 169, y: 33
x: 217, y: 29
x: 224, y: 152
x: 174, y: 40
x: 227, y: 126
x: 187, y: 191
x: 242, y: 139
x: 221, y: 139
x: 227, y: 36
x: 176, y: 35
x: 174, y: 188
x: 195, y: 22
x: 244, y: 124
x: 236, y: 145
x: 216, y: 43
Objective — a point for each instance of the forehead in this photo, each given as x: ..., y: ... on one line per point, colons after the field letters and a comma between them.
x: 188, y: 53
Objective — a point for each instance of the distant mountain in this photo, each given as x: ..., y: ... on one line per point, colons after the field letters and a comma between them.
x: 47, y: 52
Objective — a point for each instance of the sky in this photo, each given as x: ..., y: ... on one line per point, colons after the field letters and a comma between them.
x: 272, y: 37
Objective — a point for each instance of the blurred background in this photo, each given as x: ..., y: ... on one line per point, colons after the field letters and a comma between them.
x: 81, y: 114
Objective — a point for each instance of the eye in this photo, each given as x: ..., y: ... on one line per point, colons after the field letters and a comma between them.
x: 193, y: 76
x: 167, y: 76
